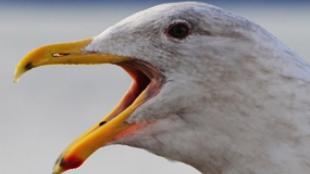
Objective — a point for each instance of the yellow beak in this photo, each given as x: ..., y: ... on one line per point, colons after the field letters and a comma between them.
x: 64, y: 53
x: 101, y: 133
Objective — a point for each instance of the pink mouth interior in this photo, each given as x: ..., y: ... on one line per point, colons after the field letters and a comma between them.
x: 145, y: 78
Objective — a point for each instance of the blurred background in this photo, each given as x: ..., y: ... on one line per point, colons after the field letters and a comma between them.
x: 50, y: 107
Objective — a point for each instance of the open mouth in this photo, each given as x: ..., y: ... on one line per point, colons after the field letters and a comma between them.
x: 147, y: 82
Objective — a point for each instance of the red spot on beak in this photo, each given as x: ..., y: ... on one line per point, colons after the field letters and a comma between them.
x: 70, y: 163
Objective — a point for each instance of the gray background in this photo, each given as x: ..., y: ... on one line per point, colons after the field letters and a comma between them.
x: 51, y: 106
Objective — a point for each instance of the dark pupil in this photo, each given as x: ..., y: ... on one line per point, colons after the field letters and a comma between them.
x: 179, y: 31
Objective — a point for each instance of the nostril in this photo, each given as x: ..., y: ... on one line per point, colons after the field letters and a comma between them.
x: 102, y: 123
x: 60, y: 54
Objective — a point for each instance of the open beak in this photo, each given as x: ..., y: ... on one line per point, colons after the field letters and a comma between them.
x: 146, y: 83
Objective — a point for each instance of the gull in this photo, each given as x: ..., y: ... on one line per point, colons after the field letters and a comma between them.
x: 210, y: 89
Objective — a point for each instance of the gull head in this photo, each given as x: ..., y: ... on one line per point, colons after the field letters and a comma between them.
x: 200, y: 76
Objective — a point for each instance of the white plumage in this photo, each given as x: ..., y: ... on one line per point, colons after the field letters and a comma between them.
x: 236, y: 100
x: 224, y: 95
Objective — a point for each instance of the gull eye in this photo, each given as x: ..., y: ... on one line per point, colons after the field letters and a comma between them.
x: 179, y: 30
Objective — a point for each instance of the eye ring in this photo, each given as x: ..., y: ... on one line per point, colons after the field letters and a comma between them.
x: 179, y: 30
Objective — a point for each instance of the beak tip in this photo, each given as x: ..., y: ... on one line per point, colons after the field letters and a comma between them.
x: 17, y: 76
x: 20, y: 70
x: 63, y: 164
x: 57, y: 170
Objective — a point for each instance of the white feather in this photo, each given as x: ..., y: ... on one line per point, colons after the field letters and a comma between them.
x: 236, y: 100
